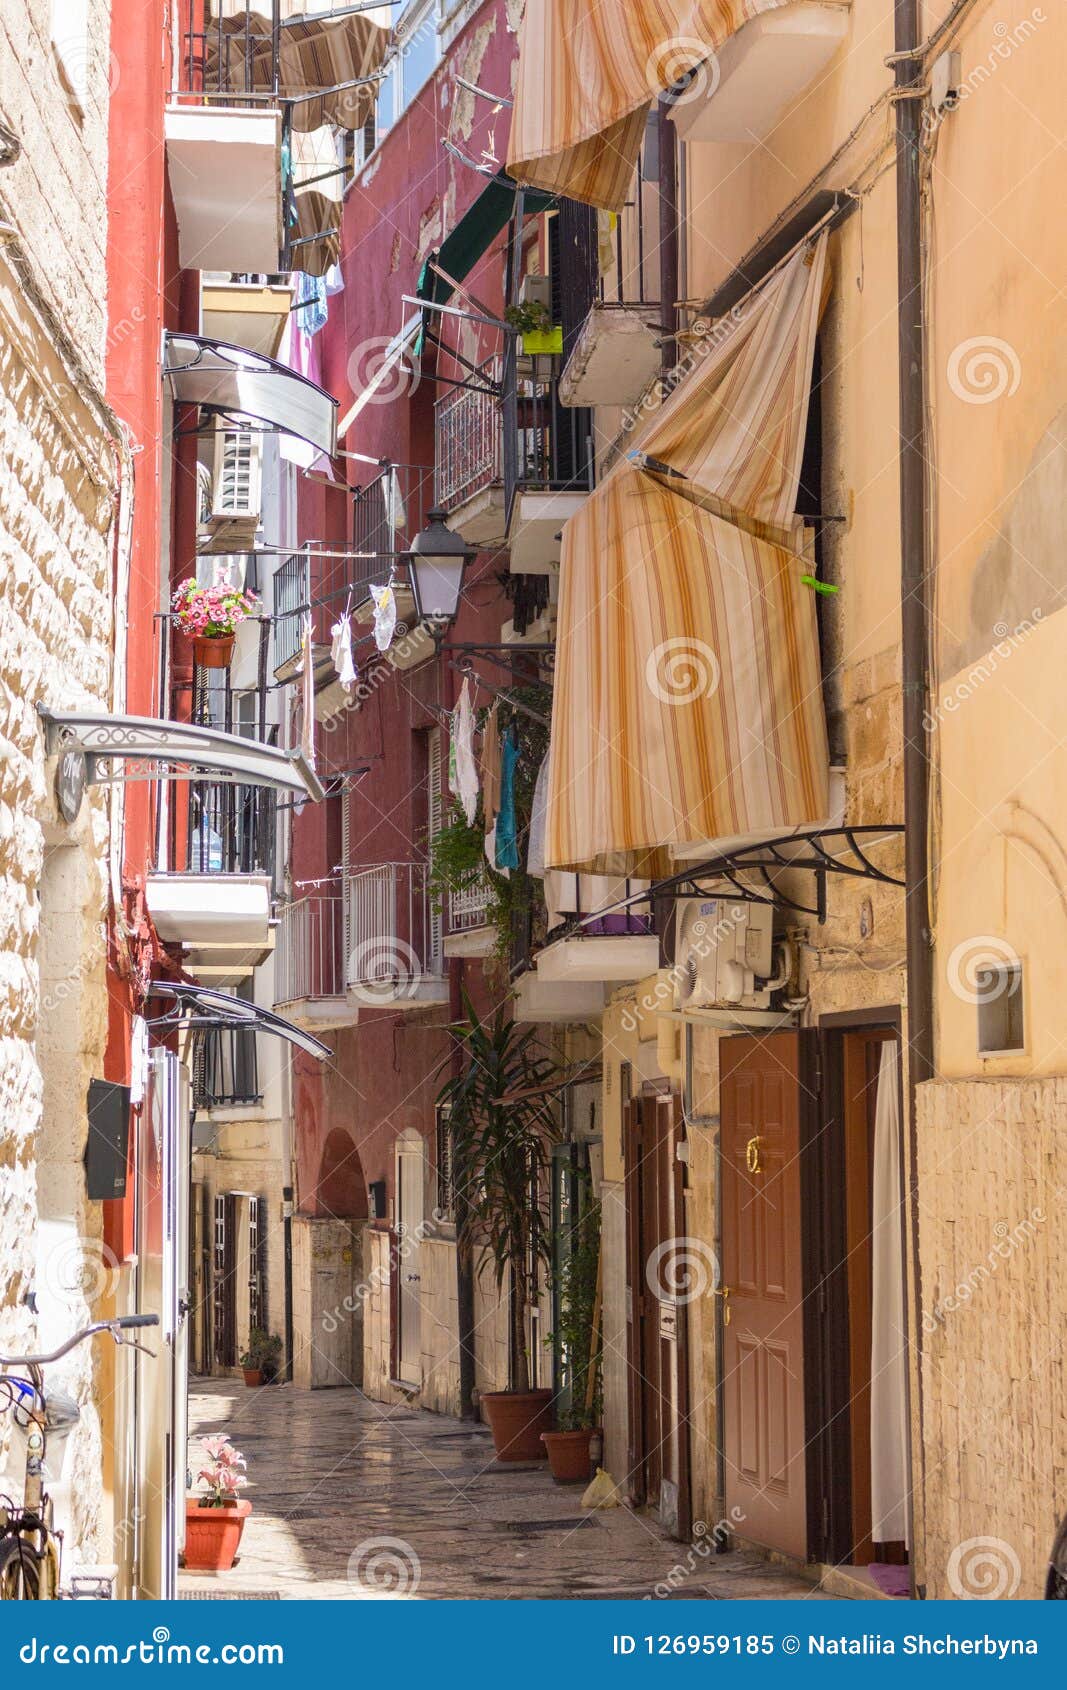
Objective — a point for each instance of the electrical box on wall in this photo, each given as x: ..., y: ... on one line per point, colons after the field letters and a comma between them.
x: 724, y: 954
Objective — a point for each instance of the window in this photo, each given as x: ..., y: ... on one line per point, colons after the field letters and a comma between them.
x: 1001, y: 1021
x: 446, y: 1173
x: 407, y: 70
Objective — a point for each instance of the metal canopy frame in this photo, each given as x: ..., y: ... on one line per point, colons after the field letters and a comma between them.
x: 201, y: 1008
x: 128, y: 748
x: 819, y: 851
x: 226, y: 380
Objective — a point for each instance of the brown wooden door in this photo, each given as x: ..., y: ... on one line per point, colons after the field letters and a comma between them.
x: 763, y: 1275
x: 657, y: 1354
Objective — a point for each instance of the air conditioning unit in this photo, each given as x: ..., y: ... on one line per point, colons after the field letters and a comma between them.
x: 236, y: 490
x: 723, y: 954
x: 536, y: 290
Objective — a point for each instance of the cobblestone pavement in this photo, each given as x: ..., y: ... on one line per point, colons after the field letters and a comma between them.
x: 353, y: 1499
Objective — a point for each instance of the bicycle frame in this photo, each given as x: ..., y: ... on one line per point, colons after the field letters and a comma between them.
x: 30, y: 1526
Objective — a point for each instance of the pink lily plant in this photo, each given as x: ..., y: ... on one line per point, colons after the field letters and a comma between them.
x: 223, y: 1476
x: 211, y: 612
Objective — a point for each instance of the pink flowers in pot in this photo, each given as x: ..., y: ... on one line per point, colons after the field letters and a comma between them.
x: 224, y: 1474
x: 211, y: 612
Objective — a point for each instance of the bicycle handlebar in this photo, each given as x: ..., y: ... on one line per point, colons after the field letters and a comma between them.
x: 122, y: 1323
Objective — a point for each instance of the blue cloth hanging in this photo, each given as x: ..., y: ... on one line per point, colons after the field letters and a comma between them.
x: 507, y: 845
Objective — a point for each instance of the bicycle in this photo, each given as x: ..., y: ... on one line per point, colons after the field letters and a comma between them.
x: 30, y: 1547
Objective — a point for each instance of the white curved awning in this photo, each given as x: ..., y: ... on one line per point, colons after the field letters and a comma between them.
x: 95, y: 748
x: 232, y: 381
x: 202, y: 1008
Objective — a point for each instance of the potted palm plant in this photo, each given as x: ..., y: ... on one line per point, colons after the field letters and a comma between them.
x: 502, y: 1133
x: 215, y: 1520
x: 210, y: 617
x: 577, y: 1338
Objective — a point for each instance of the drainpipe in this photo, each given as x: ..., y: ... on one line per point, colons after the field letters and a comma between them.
x: 464, y: 1259
x: 914, y: 529
x: 668, y: 232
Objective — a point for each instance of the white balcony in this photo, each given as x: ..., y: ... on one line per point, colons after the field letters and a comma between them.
x: 469, y: 933
x: 557, y: 1002
x: 310, y: 987
x: 612, y: 948
x: 224, y: 167
x: 616, y: 355
x: 222, y: 922
x: 534, y: 536
x: 759, y: 72
x: 251, y: 314
x: 395, y: 941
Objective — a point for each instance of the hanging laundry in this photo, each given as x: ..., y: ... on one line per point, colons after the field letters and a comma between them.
x: 310, y: 307
x: 535, y: 854
x: 307, y: 701
x: 462, y: 768
x: 490, y: 773
x: 341, y: 652
x: 395, y: 514
x: 384, y: 616
x: 507, y: 843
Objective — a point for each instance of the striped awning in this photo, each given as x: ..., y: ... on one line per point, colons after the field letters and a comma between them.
x: 588, y: 73
x: 323, y: 56
x: 688, y: 703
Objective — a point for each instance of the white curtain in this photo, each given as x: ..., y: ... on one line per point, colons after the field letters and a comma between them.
x: 889, y: 1377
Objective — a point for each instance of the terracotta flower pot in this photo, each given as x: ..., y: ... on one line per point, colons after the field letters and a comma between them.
x: 213, y: 1535
x: 213, y: 651
x: 253, y: 1375
x: 517, y: 1420
x: 569, y: 1458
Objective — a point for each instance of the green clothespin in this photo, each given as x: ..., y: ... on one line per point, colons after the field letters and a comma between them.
x: 818, y: 586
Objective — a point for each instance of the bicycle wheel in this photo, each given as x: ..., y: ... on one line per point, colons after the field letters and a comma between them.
x: 20, y: 1571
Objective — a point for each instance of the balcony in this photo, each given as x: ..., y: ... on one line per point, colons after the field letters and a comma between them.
x: 468, y: 931
x: 760, y: 71
x: 468, y: 457
x: 548, y: 462
x: 217, y: 905
x: 612, y: 949
x: 612, y: 341
x: 225, y: 1072
x: 395, y: 940
x: 309, y: 964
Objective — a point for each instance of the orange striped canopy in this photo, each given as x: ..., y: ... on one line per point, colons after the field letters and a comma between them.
x: 588, y: 73
x: 688, y: 703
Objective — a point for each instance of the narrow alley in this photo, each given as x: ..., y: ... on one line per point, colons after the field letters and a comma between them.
x: 354, y: 1500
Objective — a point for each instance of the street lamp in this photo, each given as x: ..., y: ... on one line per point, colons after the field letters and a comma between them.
x: 437, y: 560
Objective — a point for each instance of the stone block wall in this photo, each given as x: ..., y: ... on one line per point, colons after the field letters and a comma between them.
x: 992, y: 1240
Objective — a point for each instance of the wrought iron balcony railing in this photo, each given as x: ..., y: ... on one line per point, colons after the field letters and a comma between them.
x: 468, y: 449
x: 394, y: 937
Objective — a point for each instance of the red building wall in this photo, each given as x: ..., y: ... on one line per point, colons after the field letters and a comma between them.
x: 387, y: 1069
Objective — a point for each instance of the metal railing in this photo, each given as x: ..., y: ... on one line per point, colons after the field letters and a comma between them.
x: 231, y: 829
x: 228, y: 56
x: 292, y: 601
x: 394, y: 936
x: 467, y: 442
x: 225, y: 1071
x: 633, y: 277
x: 309, y: 957
x: 468, y: 909
x: 548, y: 446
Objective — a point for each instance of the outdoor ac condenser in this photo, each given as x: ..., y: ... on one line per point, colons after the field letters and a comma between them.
x: 723, y: 954
x: 236, y: 493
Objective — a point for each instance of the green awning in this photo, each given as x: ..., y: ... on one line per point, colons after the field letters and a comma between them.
x: 474, y: 234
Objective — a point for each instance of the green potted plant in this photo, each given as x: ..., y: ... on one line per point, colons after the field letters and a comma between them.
x: 215, y: 1519
x: 259, y: 1362
x: 210, y: 617
x: 501, y: 1151
x: 577, y: 1339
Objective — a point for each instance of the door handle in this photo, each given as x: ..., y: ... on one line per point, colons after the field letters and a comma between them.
x: 723, y: 1291
x: 752, y: 1161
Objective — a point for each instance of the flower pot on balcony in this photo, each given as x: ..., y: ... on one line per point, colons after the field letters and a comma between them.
x: 213, y: 1534
x: 569, y: 1456
x: 213, y: 651
x: 517, y: 1420
x: 253, y: 1376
